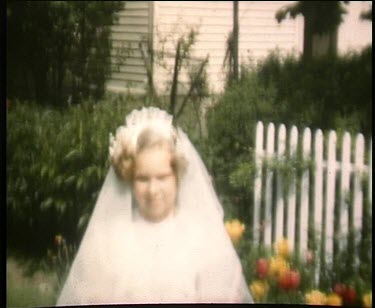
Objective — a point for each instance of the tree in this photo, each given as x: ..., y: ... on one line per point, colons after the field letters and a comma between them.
x: 231, y: 53
x: 57, y: 49
x: 321, y: 19
x: 367, y: 15
x: 235, y: 40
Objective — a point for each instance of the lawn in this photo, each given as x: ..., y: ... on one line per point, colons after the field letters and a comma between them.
x: 26, y: 289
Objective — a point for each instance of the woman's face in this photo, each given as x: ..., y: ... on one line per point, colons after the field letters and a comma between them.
x: 155, y: 183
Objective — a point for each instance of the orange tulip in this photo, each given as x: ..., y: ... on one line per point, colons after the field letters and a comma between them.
x: 334, y: 299
x: 367, y: 299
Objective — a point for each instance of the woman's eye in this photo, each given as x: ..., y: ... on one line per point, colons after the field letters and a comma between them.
x: 163, y: 177
x: 141, y: 179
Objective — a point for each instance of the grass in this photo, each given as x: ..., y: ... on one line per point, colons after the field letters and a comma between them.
x: 29, y: 290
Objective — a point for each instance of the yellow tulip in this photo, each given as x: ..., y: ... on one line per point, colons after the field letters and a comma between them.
x: 334, y: 299
x: 315, y: 297
x: 259, y: 289
x: 278, y: 266
x: 235, y: 230
x: 282, y: 248
x: 367, y: 299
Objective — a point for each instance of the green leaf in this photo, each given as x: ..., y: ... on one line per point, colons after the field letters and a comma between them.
x: 72, y: 155
x: 79, y: 184
x: 44, y: 171
x: 59, y: 181
x: 61, y: 206
x: 83, y: 220
x: 70, y: 180
x: 46, y: 204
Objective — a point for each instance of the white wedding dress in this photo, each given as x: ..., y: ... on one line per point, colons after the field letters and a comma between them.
x: 186, y: 258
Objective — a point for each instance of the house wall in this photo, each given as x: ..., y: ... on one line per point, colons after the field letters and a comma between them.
x: 259, y: 33
x: 163, y: 22
x: 354, y: 33
x: 128, y: 68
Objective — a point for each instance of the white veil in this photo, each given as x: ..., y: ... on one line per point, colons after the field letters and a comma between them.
x: 103, y: 268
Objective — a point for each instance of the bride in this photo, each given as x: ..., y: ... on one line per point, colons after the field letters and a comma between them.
x: 156, y: 234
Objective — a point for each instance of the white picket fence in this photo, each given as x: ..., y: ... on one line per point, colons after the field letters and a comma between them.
x: 334, y: 179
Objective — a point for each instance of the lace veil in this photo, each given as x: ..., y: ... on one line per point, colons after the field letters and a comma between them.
x: 104, y: 262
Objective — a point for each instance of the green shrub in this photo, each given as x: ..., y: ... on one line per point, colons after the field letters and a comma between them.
x: 56, y: 164
x: 59, y: 49
x: 327, y: 93
x: 231, y: 126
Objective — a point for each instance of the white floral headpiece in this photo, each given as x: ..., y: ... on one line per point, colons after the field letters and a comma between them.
x: 135, y: 123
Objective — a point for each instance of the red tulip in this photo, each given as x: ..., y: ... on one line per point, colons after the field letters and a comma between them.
x: 283, y: 281
x: 295, y: 279
x: 262, y: 267
x: 339, y: 289
x: 349, y: 295
x: 289, y: 280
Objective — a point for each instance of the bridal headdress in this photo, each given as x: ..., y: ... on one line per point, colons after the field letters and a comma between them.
x: 136, y: 122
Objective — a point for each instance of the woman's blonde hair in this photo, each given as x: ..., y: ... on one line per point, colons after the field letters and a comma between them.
x: 124, y: 164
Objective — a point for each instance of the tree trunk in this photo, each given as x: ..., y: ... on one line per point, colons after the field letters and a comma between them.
x: 308, y: 37
x: 315, y: 44
x: 235, y: 40
x: 173, y: 97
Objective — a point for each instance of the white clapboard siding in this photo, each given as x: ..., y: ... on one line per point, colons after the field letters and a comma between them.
x: 132, y: 27
x: 322, y: 194
x: 259, y: 32
x: 162, y: 22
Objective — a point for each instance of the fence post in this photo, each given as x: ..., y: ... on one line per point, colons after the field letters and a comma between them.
x: 370, y: 174
x: 344, y: 189
x: 304, y: 209
x: 318, y: 196
x: 358, y: 195
x: 269, y: 176
x: 258, y: 180
x: 358, y: 172
x: 334, y: 187
x: 279, y: 211
x: 292, y: 188
x: 329, y: 205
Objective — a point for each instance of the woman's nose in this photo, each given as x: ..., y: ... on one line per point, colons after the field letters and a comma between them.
x: 152, y: 187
